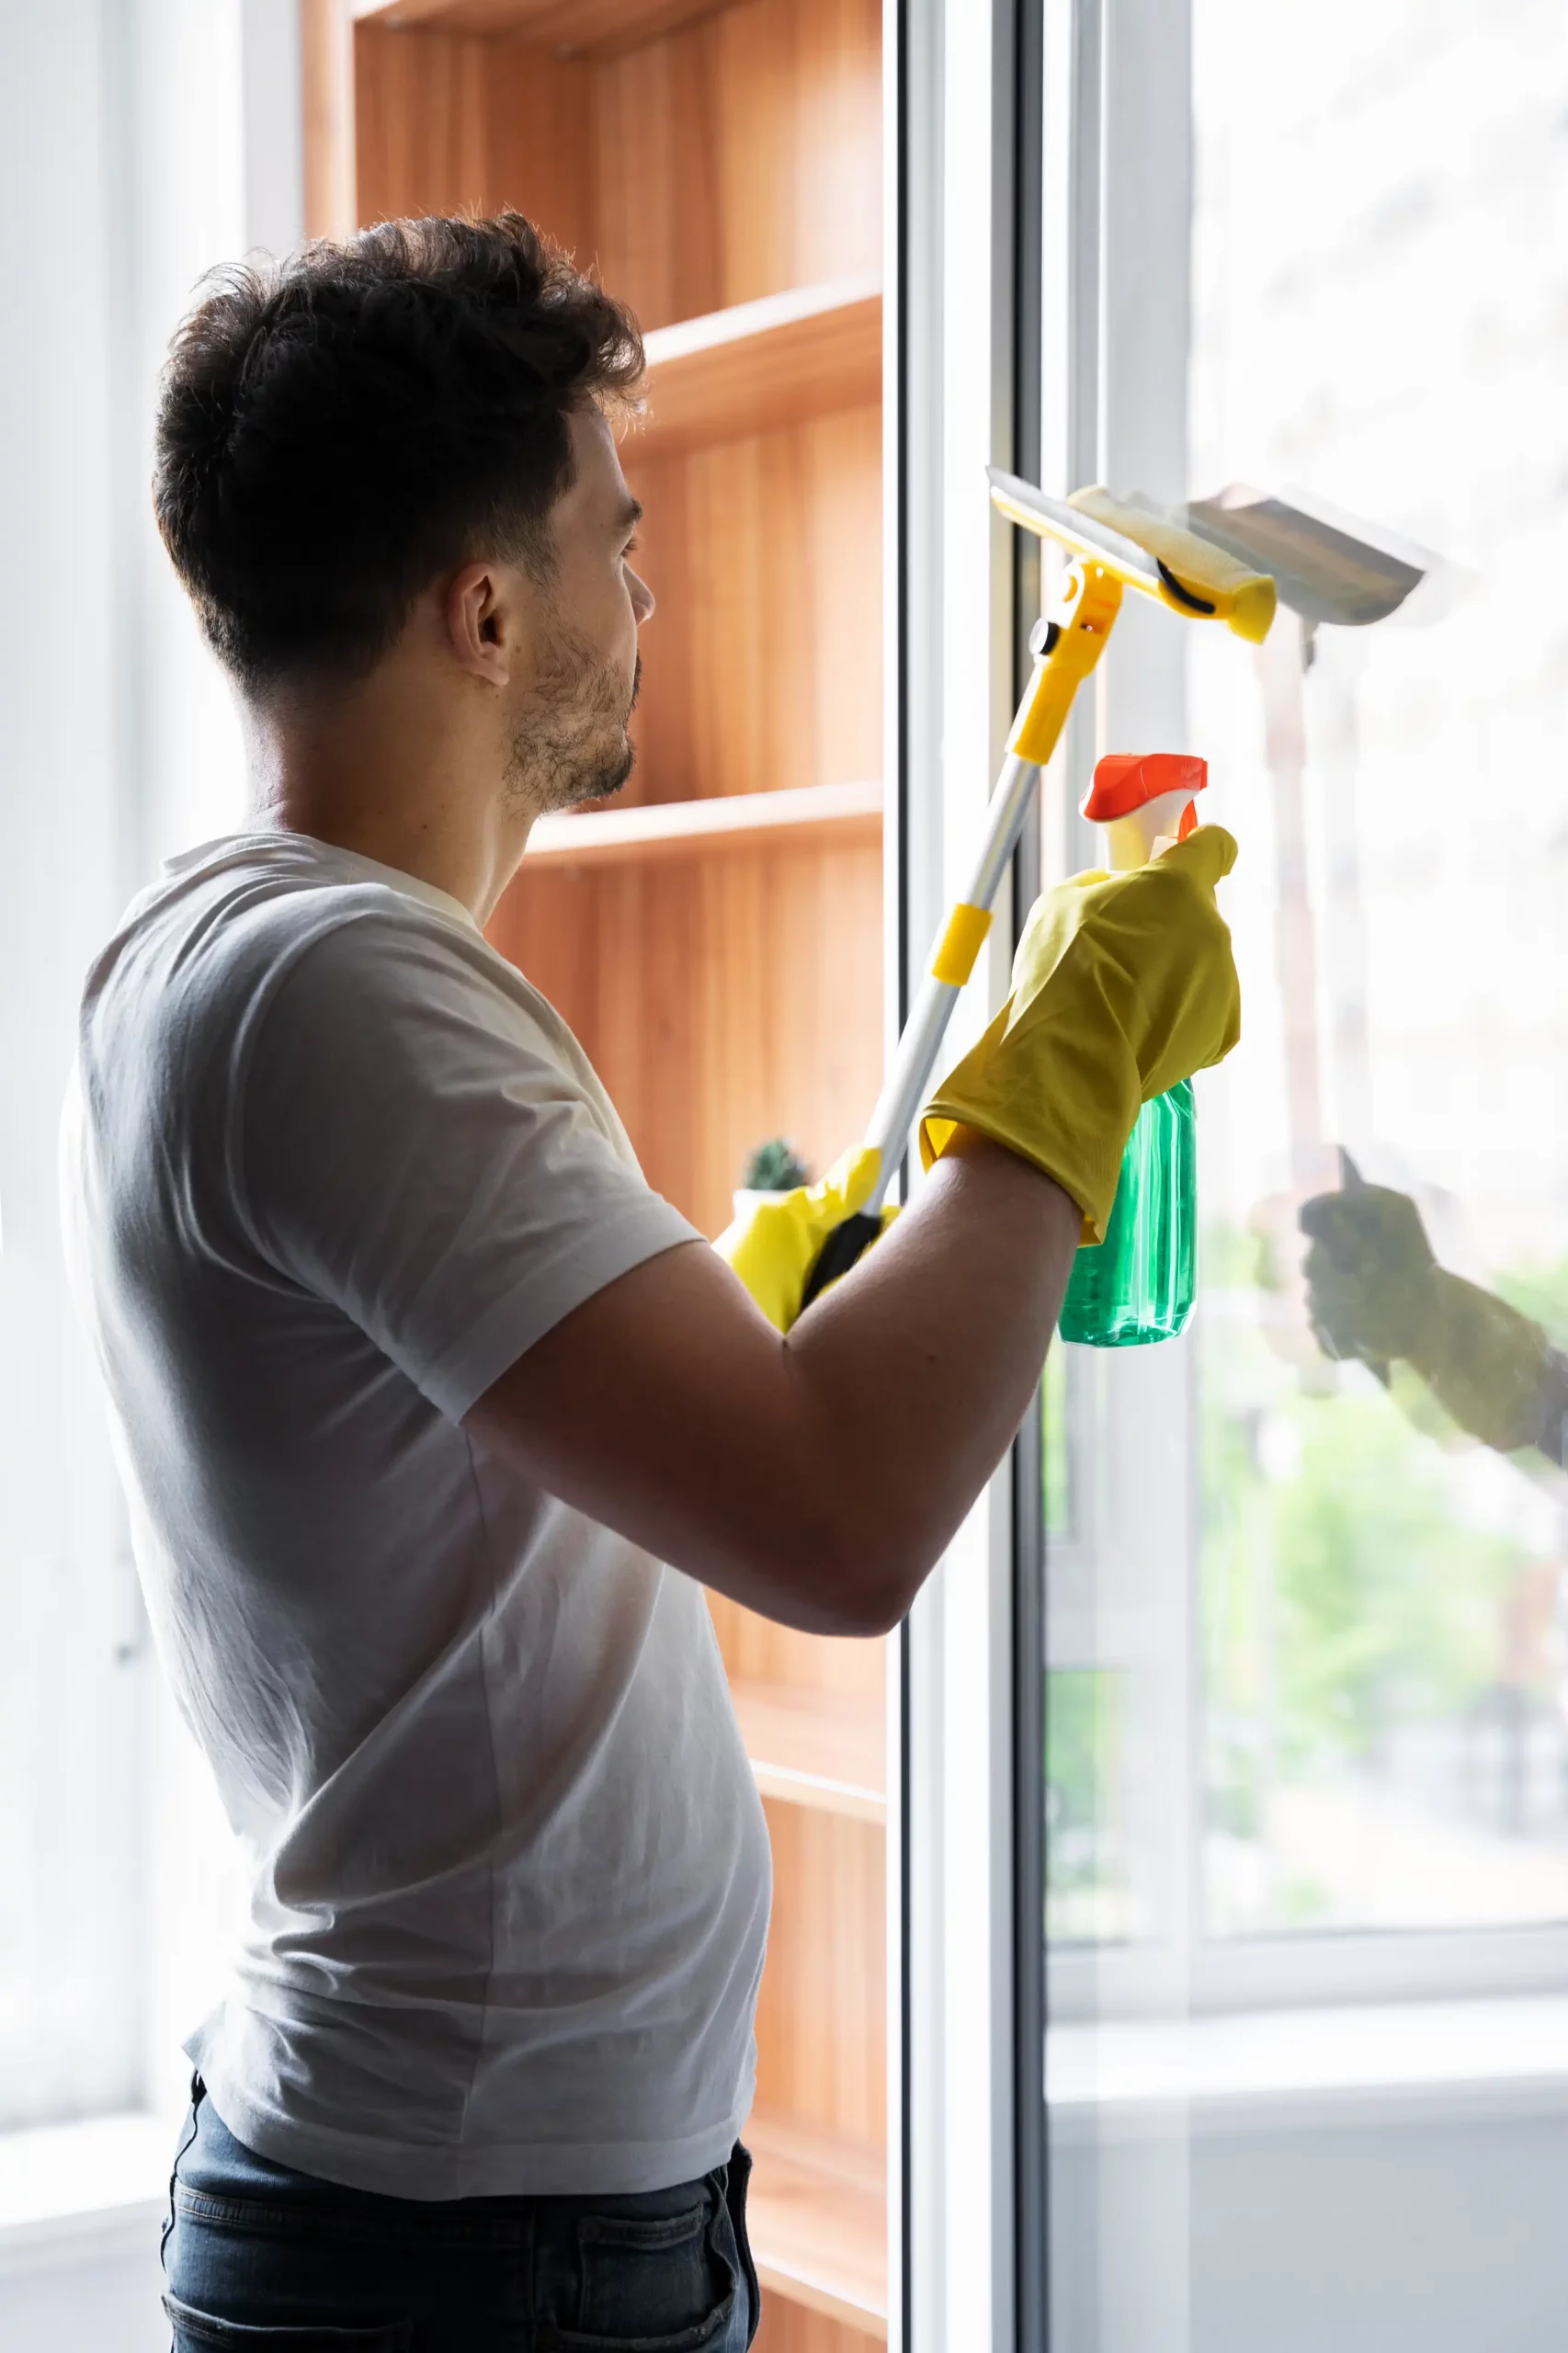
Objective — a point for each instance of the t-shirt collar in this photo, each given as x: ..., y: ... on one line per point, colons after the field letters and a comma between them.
x: 413, y: 886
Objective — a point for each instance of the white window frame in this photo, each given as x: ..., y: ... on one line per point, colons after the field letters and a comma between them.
x: 949, y: 668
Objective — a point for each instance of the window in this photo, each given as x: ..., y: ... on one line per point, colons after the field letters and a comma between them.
x: 1308, y: 1640
x: 1305, y: 1749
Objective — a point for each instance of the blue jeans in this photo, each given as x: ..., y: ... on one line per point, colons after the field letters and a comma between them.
x: 256, y: 2256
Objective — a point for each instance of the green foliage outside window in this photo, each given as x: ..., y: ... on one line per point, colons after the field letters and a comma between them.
x: 1086, y: 1876
x: 1348, y: 1600
x: 1541, y: 1291
x: 1381, y: 1603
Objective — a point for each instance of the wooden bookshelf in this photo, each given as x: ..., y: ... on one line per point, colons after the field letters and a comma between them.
x: 715, y: 937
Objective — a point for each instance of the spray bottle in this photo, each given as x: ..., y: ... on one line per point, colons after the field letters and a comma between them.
x: 1137, y: 1285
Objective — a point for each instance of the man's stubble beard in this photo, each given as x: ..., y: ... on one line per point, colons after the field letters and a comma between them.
x: 572, y: 746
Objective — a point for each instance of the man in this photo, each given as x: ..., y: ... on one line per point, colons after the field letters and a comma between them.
x: 417, y: 1384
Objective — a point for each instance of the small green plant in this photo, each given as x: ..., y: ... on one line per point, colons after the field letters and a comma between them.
x: 775, y: 1167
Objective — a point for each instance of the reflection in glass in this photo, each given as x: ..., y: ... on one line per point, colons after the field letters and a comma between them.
x: 1383, y: 1660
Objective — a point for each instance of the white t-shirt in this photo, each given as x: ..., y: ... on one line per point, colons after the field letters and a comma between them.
x: 331, y: 1166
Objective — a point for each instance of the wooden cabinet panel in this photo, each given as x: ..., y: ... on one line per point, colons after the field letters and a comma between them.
x: 818, y: 2213
x: 741, y: 155
x: 451, y: 122
x: 814, y: 1748
x: 736, y: 157
x: 756, y: 1650
x: 821, y: 2021
x: 721, y: 1000
x: 791, y: 2327
x: 762, y: 667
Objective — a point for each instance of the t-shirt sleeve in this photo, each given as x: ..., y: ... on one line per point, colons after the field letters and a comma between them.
x: 405, y: 1143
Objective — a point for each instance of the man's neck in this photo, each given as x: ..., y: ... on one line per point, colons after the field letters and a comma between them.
x: 390, y: 785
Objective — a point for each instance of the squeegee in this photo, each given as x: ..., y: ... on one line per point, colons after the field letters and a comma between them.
x: 1202, y: 565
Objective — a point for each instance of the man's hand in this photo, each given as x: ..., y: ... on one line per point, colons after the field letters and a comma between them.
x: 774, y: 1247
x: 1123, y: 985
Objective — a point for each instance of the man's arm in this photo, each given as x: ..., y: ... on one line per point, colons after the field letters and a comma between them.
x: 815, y: 1476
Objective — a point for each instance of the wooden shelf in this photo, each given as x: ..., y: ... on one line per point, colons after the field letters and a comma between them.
x: 842, y: 815
x: 814, y: 1748
x: 570, y: 28
x: 818, y: 2218
x: 760, y: 365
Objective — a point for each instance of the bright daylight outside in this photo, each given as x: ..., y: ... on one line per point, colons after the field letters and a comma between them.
x: 1380, y: 1732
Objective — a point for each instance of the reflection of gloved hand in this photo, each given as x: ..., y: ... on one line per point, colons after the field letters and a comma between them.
x: 773, y: 1245
x: 1376, y: 1291
x: 1370, y: 1273
x: 1123, y: 985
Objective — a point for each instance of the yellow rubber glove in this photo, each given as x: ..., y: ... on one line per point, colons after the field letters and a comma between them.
x: 774, y: 1247
x: 1123, y: 985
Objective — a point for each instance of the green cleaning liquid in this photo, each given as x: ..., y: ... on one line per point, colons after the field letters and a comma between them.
x: 1138, y: 1284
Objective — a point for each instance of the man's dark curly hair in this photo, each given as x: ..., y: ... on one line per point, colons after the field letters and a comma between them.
x: 338, y: 429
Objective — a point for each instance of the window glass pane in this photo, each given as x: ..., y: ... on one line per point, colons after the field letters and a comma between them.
x: 1089, y: 1894
x: 1056, y: 1454
x: 1378, y: 318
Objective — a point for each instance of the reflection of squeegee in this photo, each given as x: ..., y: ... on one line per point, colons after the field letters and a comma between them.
x: 1321, y: 569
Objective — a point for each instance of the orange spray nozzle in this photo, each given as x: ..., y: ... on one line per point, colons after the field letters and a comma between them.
x: 1143, y: 797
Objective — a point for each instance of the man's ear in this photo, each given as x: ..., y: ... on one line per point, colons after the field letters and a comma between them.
x: 481, y: 621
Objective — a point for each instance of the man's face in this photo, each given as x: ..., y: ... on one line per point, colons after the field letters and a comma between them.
x: 570, y: 741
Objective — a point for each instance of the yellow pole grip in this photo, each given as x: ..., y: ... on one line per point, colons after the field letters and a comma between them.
x: 1079, y: 622
x: 960, y: 944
